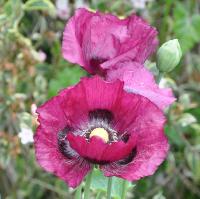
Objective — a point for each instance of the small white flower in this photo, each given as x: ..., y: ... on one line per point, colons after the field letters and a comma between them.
x: 42, y: 56
x: 39, y: 55
x: 62, y: 7
x: 26, y: 135
x: 33, y: 109
x: 139, y: 4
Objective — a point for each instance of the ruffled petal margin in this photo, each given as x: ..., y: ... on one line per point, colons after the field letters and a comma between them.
x: 137, y: 79
x: 96, y: 49
x: 72, y: 171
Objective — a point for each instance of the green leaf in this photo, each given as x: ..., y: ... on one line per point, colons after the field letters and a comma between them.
x: 193, y: 160
x: 186, y: 27
x: 3, y: 19
x: 45, y: 5
x: 195, y: 112
x: 117, y: 187
x: 173, y: 136
x: 186, y: 119
x: 99, y: 183
x: 12, y: 13
x: 66, y: 77
x: 159, y: 195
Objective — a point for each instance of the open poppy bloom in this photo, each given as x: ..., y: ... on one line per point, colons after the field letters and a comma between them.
x: 115, y: 49
x: 96, y: 40
x: 98, y: 122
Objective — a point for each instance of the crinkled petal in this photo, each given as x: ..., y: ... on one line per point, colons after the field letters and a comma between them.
x: 90, y: 94
x: 72, y: 171
x: 151, y: 150
x: 137, y: 79
x: 73, y: 35
x: 139, y: 46
x: 138, y: 116
x: 51, y: 117
x: 98, y: 151
x: 94, y: 94
x: 114, y: 40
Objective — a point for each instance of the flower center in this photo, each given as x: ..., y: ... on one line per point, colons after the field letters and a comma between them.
x: 100, y: 132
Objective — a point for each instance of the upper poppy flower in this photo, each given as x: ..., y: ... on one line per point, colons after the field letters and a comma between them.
x: 96, y: 40
x: 98, y: 122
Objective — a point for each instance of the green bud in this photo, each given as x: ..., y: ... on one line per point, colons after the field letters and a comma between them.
x: 169, y: 55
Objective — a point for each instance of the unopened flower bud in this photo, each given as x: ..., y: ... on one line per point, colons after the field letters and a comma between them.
x: 169, y: 55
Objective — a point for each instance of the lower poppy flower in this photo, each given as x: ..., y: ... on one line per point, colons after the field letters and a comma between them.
x: 98, y: 122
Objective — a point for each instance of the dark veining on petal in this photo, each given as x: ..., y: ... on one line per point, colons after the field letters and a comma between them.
x: 101, y: 118
x: 125, y: 137
x: 129, y: 158
x: 99, y: 162
x: 63, y: 144
x: 101, y: 114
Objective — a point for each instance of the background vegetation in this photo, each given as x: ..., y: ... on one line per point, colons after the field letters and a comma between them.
x: 32, y: 70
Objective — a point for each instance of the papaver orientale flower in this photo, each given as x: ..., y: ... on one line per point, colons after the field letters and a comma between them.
x: 98, y: 122
x: 97, y: 40
x: 115, y: 49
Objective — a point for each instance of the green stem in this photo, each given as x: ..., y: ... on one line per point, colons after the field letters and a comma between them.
x: 78, y: 192
x: 109, y: 188
x: 99, y: 195
x: 87, y: 185
x: 159, y: 77
x: 124, y: 189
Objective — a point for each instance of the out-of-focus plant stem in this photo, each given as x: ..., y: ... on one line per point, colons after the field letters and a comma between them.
x: 48, y: 187
x: 78, y: 192
x: 159, y: 77
x: 124, y: 189
x: 87, y: 185
x: 99, y: 195
x: 109, y: 188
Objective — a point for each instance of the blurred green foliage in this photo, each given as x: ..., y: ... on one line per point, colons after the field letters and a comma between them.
x: 99, y: 184
x: 32, y: 70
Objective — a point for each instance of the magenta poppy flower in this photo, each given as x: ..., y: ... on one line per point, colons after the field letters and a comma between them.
x: 96, y: 40
x: 137, y: 79
x: 98, y: 122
